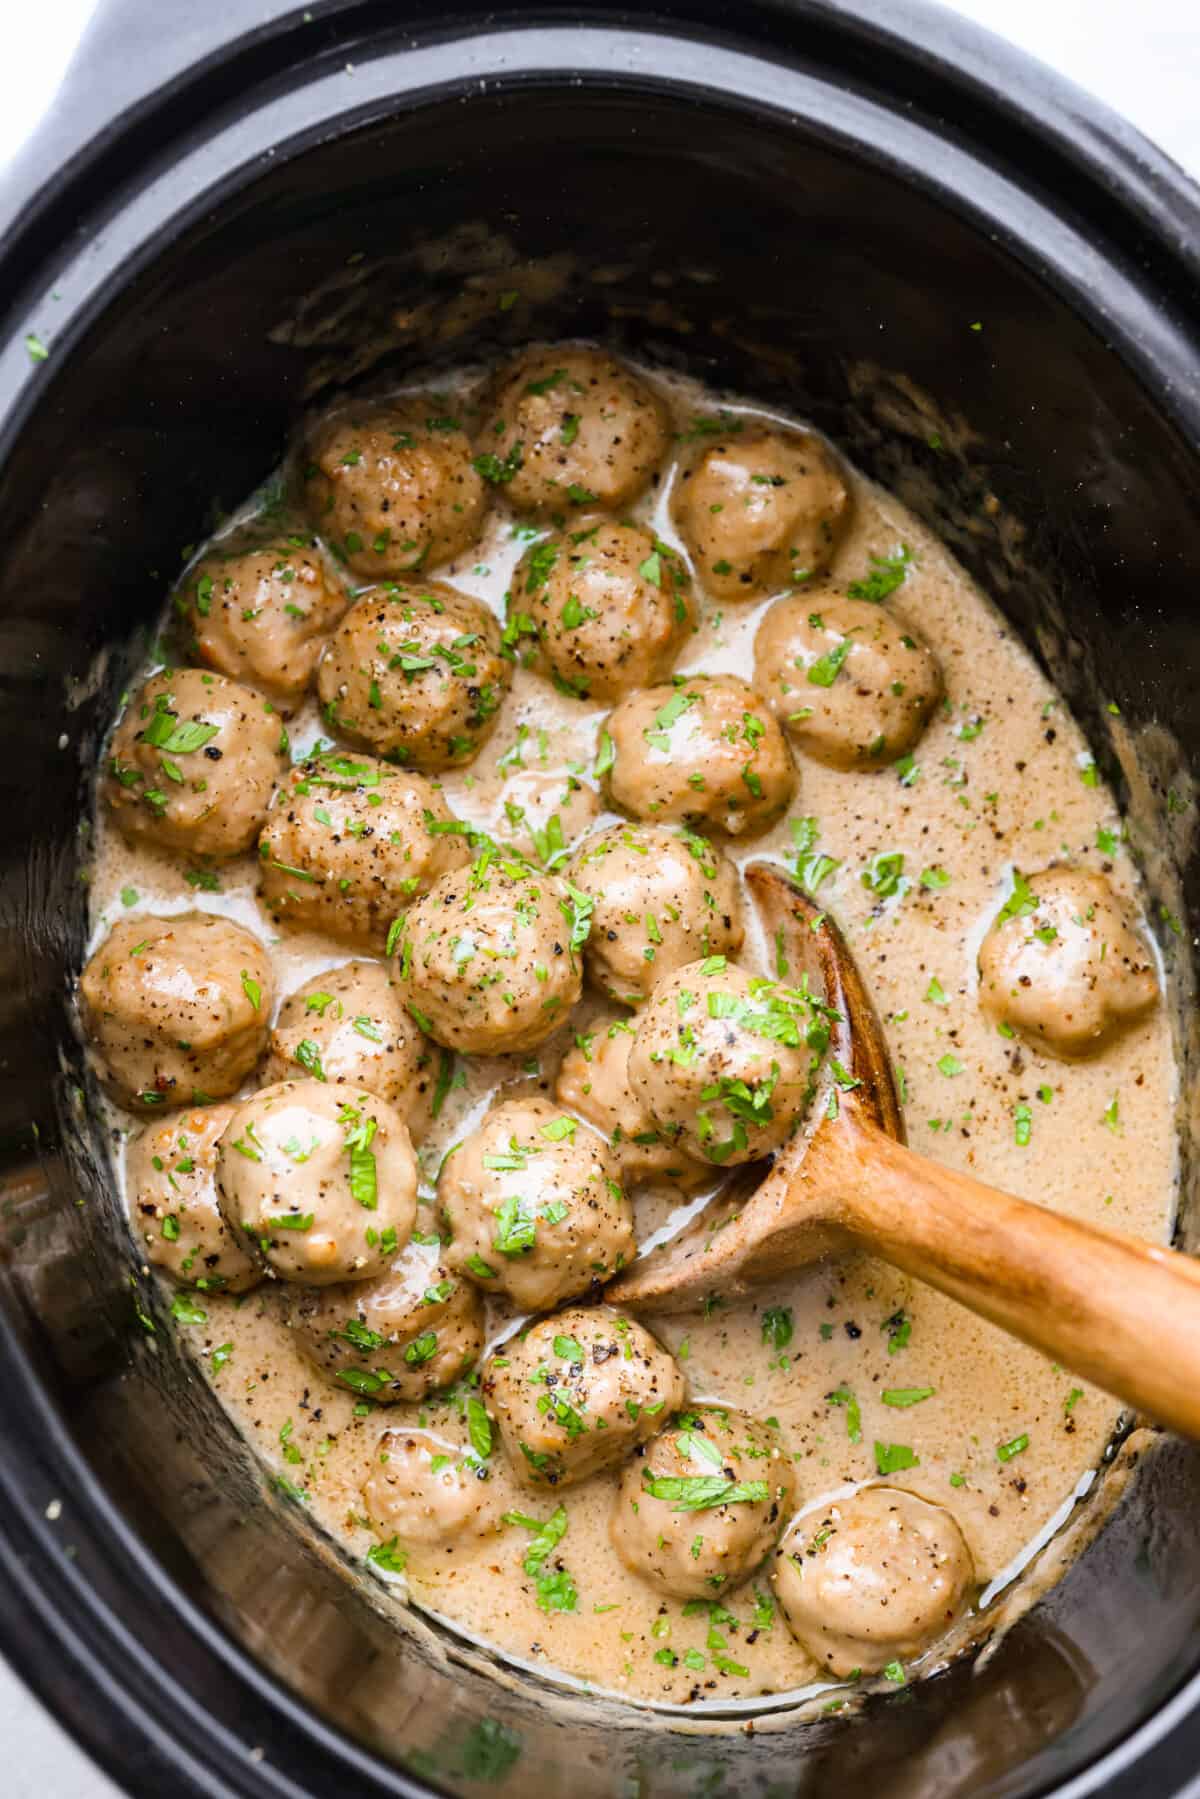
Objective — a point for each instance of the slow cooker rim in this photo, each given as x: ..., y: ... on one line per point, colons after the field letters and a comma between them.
x: 1065, y: 118
x: 73, y: 1474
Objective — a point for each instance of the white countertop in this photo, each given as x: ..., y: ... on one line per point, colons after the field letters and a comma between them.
x: 1143, y: 59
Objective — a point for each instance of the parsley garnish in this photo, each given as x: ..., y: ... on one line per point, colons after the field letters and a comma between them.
x: 886, y: 575
x: 702, y: 1492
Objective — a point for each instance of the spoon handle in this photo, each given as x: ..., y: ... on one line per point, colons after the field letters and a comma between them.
x: 1121, y: 1312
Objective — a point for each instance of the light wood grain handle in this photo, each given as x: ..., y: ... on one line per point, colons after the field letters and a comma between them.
x: 1122, y: 1313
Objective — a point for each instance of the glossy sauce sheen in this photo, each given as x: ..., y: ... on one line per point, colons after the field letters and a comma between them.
x: 1010, y: 793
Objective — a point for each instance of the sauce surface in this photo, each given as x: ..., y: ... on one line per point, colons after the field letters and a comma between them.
x: 998, y: 1436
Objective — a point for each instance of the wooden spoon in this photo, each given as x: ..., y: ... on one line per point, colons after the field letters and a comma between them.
x: 1123, y: 1313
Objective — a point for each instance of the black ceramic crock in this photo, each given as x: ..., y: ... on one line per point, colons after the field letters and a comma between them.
x: 983, y: 286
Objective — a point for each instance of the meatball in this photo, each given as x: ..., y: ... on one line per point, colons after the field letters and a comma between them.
x: 568, y: 428
x: 707, y: 750
x: 392, y: 488
x: 170, y: 1183
x: 349, y: 843
x: 176, y: 1009
x: 608, y: 606
x: 261, y: 614
x: 578, y: 1393
x: 853, y: 684
x: 761, y: 509
x: 541, y: 814
x: 321, y: 1181
x: 416, y: 674
x: 400, y: 1337
x: 703, y: 1503
x: 1065, y: 965
x: 349, y: 1027
x: 193, y: 762
x: 662, y: 898
x: 869, y: 1580
x: 427, y: 1490
x: 535, y: 1206
x: 594, y: 1081
x: 488, y: 958
x: 725, y: 1062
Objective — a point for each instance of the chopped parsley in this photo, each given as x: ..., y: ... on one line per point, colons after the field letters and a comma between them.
x: 703, y: 1492
x: 887, y: 573
x: 891, y: 1458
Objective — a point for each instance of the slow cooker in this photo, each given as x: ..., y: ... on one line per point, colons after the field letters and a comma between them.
x: 976, y: 279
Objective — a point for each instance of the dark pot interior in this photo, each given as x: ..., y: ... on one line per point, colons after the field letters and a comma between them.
x: 799, y: 233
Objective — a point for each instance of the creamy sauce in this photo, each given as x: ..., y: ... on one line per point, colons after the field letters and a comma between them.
x: 1002, y: 778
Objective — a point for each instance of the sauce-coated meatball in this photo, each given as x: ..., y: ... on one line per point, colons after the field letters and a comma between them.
x: 703, y: 1503
x: 578, y: 1393
x: 852, y: 683
x: 608, y: 606
x: 193, y: 762
x: 540, y: 815
x: 401, y: 1337
x: 594, y: 1081
x: 170, y: 1180
x: 349, y: 1027
x: 761, y: 509
x: 261, y: 614
x: 487, y: 961
x: 565, y: 429
x: 1064, y: 963
x: 725, y: 1061
x: 349, y: 843
x: 176, y: 1009
x: 416, y: 674
x: 320, y: 1181
x: 429, y: 1491
x: 663, y: 898
x: 535, y: 1206
x: 872, y: 1579
x: 706, y: 750
x: 392, y: 488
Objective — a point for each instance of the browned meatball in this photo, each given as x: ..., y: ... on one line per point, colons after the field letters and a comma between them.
x: 564, y: 429
x: 662, y: 898
x: 594, y: 1081
x: 703, y: 1503
x: 540, y: 815
x: 724, y: 1062
x: 427, y: 1490
x: 706, y: 749
x: 606, y: 607
x: 853, y: 684
x: 402, y: 1336
x: 1065, y: 965
x: 349, y: 843
x: 416, y: 674
x: 176, y: 1009
x: 261, y: 613
x: 534, y: 1206
x: 319, y: 1182
x: 348, y: 1026
x: 577, y: 1393
x: 392, y: 487
x: 171, y: 1188
x: 871, y: 1579
x: 489, y: 957
x: 193, y: 762
x: 761, y: 509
